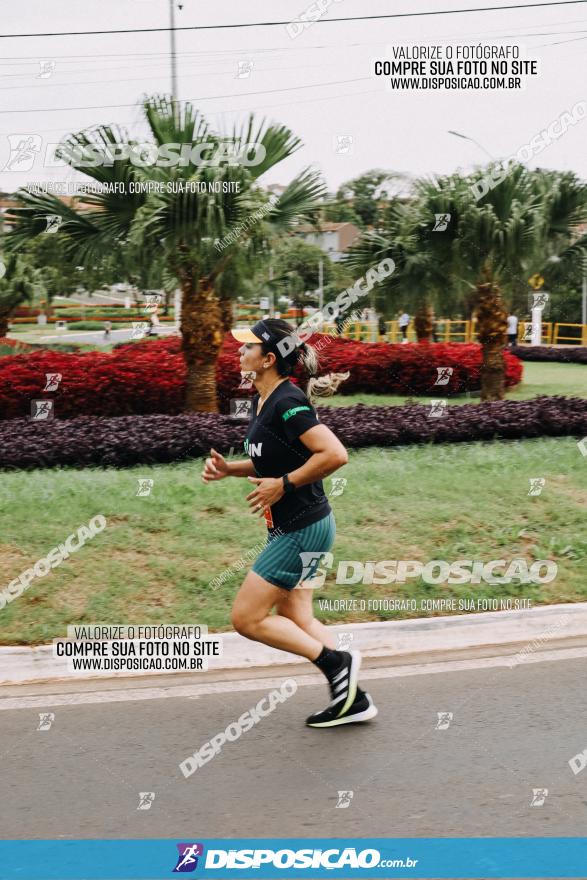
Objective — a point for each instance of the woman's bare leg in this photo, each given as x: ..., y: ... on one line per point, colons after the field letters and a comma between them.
x: 297, y: 606
x: 251, y: 617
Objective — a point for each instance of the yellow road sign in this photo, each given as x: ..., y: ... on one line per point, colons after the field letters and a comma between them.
x: 536, y: 281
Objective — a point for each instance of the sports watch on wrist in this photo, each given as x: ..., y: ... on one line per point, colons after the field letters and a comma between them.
x: 288, y: 487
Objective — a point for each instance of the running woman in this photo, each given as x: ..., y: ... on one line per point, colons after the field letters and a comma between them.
x: 289, y: 454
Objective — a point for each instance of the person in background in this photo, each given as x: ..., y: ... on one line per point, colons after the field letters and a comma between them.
x: 381, y: 327
x: 107, y: 329
x: 403, y: 322
x: 154, y: 322
x: 512, y: 329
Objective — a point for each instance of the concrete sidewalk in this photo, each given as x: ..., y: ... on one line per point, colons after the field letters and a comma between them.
x: 401, y: 642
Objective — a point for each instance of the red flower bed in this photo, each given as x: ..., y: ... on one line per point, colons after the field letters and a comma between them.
x: 380, y: 368
x: 135, y: 379
x: 148, y: 377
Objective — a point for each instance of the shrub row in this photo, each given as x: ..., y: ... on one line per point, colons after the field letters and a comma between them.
x: 10, y: 347
x: 570, y: 354
x: 113, y: 305
x: 15, y: 344
x: 134, y: 440
x: 149, y: 376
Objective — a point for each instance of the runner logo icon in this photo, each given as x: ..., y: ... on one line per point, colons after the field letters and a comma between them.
x: 187, y: 860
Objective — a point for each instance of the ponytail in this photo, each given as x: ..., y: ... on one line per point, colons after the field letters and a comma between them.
x: 322, y: 386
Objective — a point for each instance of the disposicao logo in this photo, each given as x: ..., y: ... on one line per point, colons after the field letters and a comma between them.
x: 187, y: 860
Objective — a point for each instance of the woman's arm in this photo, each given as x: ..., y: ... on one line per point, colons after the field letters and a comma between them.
x: 244, y: 468
x: 217, y: 468
x: 328, y: 456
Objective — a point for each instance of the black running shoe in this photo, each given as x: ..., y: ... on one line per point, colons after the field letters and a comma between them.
x: 343, y: 685
x: 363, y: 709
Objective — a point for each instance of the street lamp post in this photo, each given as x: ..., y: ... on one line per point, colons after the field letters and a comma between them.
x: 173, y: 55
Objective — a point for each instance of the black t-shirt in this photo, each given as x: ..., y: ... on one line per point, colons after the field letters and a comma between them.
x: 273, y: 446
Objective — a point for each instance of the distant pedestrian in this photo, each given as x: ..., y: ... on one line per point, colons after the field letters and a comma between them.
x: 154, y: 323
x: 403, y: 323
x: 107, y: 329
x: 381, y: 326
x: 512, y: 329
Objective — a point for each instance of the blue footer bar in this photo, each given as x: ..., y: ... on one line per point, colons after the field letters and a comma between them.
x: 300, y: 857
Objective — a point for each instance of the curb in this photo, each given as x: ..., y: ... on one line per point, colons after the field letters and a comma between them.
x: 414, y: 640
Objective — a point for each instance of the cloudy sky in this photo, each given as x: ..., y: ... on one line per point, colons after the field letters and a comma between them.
x: 319, y: 83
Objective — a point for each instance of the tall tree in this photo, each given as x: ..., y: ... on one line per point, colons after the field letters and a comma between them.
x: 206, y: 217
x: 447, y: 241
x: 365, y: 195
x: 18, y: 284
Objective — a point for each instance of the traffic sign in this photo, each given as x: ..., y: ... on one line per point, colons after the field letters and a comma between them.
x: 536, y: 281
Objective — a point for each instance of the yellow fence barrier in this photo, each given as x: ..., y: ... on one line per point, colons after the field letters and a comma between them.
x: 579, y: 338
x: 525, y: 328
x: 445, y: 331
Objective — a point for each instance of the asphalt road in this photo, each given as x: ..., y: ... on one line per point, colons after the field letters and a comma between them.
x: 512, y: 731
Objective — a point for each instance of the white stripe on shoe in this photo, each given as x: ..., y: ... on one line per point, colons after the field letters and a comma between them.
x: 353, y: 672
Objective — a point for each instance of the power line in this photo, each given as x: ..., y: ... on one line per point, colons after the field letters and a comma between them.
x: 209, y: 27
x: 254, y: 50
x: 34, y: 60
x: 199, y: 98
x: 247, y: 109
x: 560, y: 42
x: 187, y: 75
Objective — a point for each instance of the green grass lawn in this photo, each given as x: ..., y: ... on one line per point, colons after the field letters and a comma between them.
x: 538, y: 378
x: 155, y: 560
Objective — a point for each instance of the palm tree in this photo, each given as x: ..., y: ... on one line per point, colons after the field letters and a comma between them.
x: 418, y: 276
x: 496, y: 243
x: 17, y: 285
x: 198, y: 206
x: 489, y: 244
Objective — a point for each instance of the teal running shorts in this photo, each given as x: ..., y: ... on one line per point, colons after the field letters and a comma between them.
x: 286, y: 557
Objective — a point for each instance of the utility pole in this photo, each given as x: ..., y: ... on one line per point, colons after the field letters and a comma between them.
x: 271, y: 300
x: 584, y: 297
x: 173, y: 55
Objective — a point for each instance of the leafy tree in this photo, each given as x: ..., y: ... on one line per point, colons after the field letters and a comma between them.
x: 487, y: 245
x: 338, y: 211
x: 19, y: 284
x: 206, y: 217
x: 364, y: 194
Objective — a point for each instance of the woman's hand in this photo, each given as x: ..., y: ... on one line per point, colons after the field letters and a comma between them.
x: 267, y: 491
x: 216, y: 467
